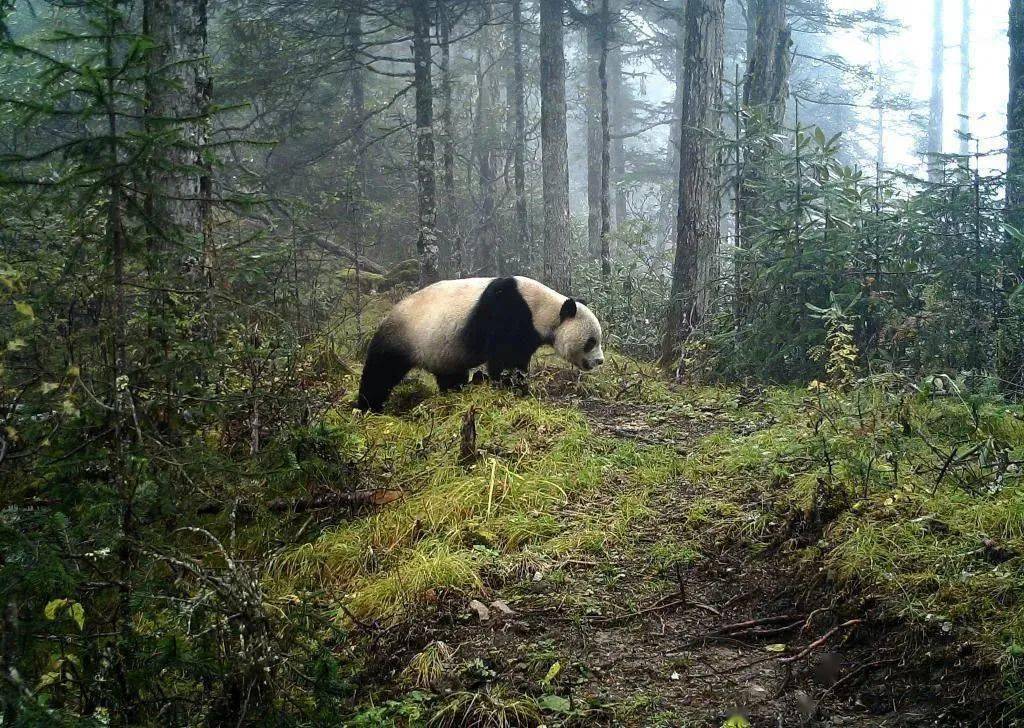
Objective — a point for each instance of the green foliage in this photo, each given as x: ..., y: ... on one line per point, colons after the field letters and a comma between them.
x: 911, y: 267
x: 632, y: 301
x: 912, y: 492
x: 457, y: 524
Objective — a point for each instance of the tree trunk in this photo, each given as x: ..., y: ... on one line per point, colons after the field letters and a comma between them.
x: 178, y: 101
x: 768, y: 61
x: 765, y: 90
x: 699, y: 203
x: 358, y: 193
x: 554, y: 148
x: 617, y: 104
x: 965, y: 79
x: 1010, y: 363
x: 676, y: 129
x: 451, y: 221
x: 936, y: 108
x: 488, y: 256
x: 1015, y: 120
x: 520, y: 259
x: 606, y: 160
x: 593, y: 112
x: 879, y: 107
x: 426, y: 241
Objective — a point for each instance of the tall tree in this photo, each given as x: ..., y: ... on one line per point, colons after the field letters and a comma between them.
x: 765, y: 90
x: 554, y: 148
x: 879, y: 104
x: 606, y: 161
x: 1011, y: 355
x: 358, y: 194
x: 426, y: 238
x: 178, y: 97
x: 936, y: 106
x: 965, y: 78
x: 592, y: 107
x: 617, y: 103
x: 451, y: 224
x: 488, y: 256
x: 769, y: 37
x: 1015, y: 119
x: 517, y: 100
x: 697, y: 226
x: 678, y: 25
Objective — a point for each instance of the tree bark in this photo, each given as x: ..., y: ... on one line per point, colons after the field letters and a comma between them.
x: 676, y: 129
x: 554, y: 148
x: 936, y: 107
x: 426, y: 241
x: 358, y: 192
x: 488, y: 255
x: 451, y: 222
x: 768, y: 60
x: 606, y: 161
x: 617, y: 104
x: 1011, y: 334
x: 965, y: 79
x: 519, y: 260
x: 1015, y: 120
x: 879, y: 107
x: 178, y: 96
x: 765, y: 90
x: 699, y: 204
x: 593, y: 112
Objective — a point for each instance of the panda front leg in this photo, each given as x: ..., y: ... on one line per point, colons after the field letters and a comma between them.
x: 451, y: 381
x: 511, y: 373
x: 384, y: 368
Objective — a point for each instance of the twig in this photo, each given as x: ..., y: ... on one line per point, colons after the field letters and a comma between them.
x: 751, y: 633
x: 656, y: 608
x: 820, y: 641
x: 757, y: 623
x: 858, y: 671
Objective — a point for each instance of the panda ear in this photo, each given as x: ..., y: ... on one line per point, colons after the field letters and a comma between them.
x: 568, y: 309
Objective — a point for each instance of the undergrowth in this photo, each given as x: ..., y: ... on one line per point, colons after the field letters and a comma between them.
x: 461, y: 526
x: 906, y: 493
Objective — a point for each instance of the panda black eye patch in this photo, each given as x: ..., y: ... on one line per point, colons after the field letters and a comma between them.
x: 591, y: 343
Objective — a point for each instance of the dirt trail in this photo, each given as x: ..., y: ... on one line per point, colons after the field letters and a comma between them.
x: 634, y: 651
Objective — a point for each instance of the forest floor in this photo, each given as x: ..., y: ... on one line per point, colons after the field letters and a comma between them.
x: 673, y: 557
x: 698, y: 645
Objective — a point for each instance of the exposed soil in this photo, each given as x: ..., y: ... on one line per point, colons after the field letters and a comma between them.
x: 641, y: 647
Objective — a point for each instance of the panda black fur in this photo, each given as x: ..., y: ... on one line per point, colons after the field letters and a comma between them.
x: 453, y: 326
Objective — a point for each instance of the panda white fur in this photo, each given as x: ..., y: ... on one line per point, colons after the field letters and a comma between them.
x: 452, y: 326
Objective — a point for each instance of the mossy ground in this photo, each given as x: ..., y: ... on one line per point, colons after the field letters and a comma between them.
x: 591, y: 499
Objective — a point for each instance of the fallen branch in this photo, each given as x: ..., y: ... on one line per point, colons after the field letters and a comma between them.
x: 820, y: 641
x: 374, y: 497
x: 340, y: 250
x: 658, y: 606
x: 757, y: 623
x: 756, y: 633
x: 854, y: 673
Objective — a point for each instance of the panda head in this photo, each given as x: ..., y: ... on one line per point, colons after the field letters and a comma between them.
x: 577, y: 338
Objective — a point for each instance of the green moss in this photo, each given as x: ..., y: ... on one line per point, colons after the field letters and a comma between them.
x: 537, y: 458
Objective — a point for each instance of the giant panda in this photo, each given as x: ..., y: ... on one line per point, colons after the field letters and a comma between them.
x: 453, y: 326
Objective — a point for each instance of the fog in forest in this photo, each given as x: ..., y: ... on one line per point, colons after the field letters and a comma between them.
x: 506, y: 363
